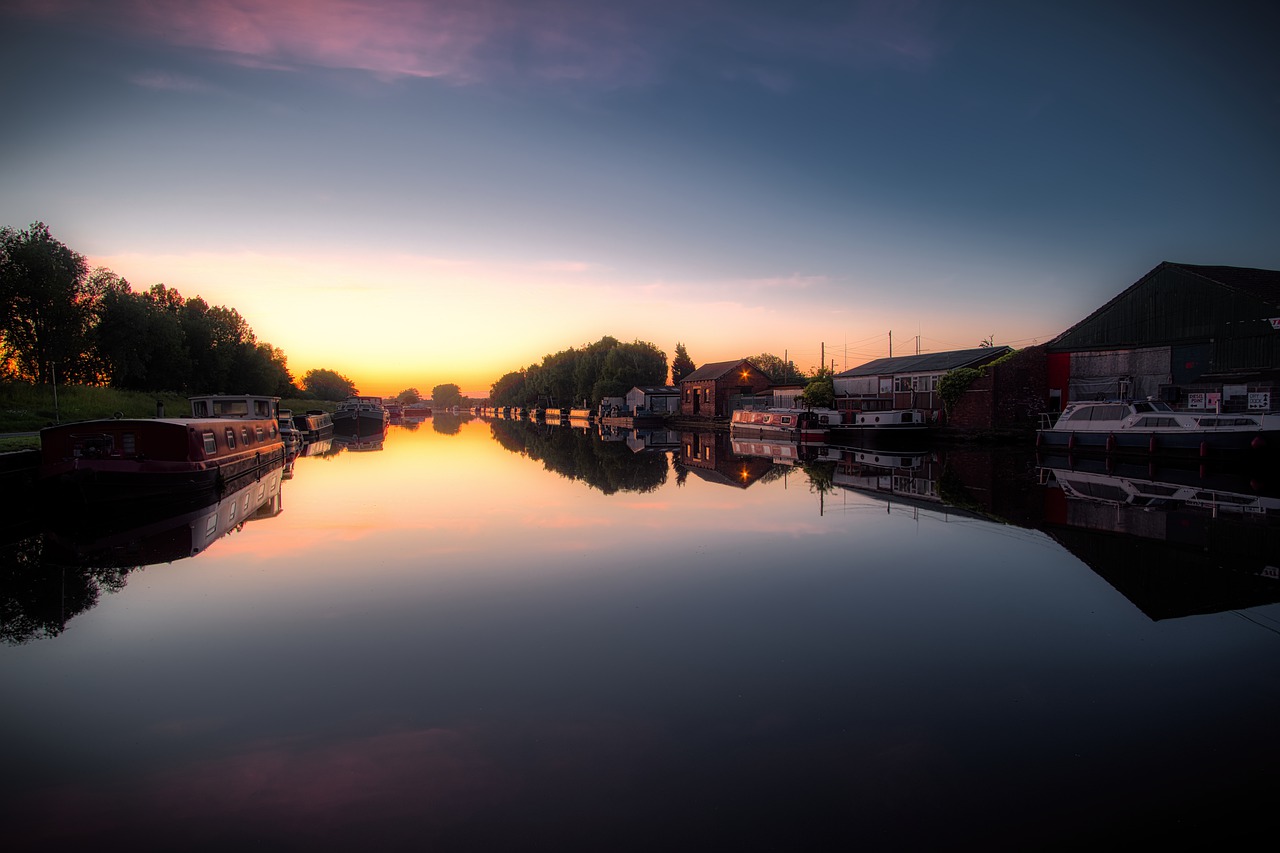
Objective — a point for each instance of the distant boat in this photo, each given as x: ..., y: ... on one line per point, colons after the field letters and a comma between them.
x: 225, y: 440
x: 289, y: 432
x: 360, y: 416
x: 417, y: 411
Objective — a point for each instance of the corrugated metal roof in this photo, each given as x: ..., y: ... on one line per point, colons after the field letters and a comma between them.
x: 656, y: 390
x: 1262, y: 284
x: 927, y: 362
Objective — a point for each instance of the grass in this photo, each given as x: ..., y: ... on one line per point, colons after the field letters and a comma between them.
x: 26, y: 408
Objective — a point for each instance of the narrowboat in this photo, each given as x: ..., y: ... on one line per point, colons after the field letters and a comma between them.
x: 315, y: 425
x: 225, y: 440
x: 1153, y: 427
x: 289, y: 433
x: 784, y: 424
x: 360, y: 416
x: 417, y: 411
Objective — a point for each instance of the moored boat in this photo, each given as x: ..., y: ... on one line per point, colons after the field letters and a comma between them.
x: 289, y: 432
x: 315, y: 425
x: 360, y: 416
x: 784, y: 424
x: 226, y: 439
x: 1153, y: 427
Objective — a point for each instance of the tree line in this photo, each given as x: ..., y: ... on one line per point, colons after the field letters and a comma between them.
x: 63, y: 322
x: 586, y: 374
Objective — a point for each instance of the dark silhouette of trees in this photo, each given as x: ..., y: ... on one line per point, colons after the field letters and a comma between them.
x: 681, y: 364
x: 46, y: 306
x: 324, y: 384
x: 409, y: 395
x: 606, y: 368
x: 445, y: 397
x: 781, y: 371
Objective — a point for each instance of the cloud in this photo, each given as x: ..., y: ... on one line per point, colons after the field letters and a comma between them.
x: 604, y: 45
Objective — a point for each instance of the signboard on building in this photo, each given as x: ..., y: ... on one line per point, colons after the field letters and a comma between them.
x: 1195, y: 401
x: 1275, y: 323
x: 1260, y: 401
x: 1213, y: 401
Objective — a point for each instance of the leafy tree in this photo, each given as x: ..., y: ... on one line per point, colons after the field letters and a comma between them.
x: 45, y: 307
x: 509, y: 390
x: 989, y: 341
x: 408, y: 396
x: 629, y: 365
x: 446, y: 396
x: 820, y: 392
x: 781, y: 372
x: 326, y: 384
x: 681, y: 365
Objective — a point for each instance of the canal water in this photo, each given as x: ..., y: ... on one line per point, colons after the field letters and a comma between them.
x: 498, y: 635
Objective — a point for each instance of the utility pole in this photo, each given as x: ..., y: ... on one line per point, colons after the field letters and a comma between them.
x: 822, y: 362
x: 53, y: 373
x: 891, y: 343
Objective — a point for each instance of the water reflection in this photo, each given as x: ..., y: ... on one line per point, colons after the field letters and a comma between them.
x: 507, y: 634
x: 60, y: 566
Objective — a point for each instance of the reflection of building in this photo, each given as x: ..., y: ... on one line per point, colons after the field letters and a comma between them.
x: 641, y: 440
x: 708, y: 392
x: 710, y: 456
x: 907, y: 475
x: 1195, y: 336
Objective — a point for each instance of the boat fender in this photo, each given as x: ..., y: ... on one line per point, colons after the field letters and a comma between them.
x: 1071, y: 441
x: 1258, y: 442
x: 1151, y: 445
x: 1111, y: 442
x: 1039, y: 436
x: 1204, y: 448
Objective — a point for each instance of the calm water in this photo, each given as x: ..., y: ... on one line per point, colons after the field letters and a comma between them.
x: 500, y: 636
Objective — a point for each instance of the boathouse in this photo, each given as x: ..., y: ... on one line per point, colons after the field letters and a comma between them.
x: 653, y: 400
x: 1198, y: 337
x: 713, y: 390
x: 907, y: 381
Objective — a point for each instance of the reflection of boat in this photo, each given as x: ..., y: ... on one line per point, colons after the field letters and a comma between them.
x: 782, y: 452
x: 315, y: 425
x: 360, y: 416
x: 785, y: 424
x: 225, y: 438
x: 318, y: 448
x: 172, y: 532
x: 361, y: 444
x: 904, y: 474
x: 416, y: 411
x: 1154, y: 427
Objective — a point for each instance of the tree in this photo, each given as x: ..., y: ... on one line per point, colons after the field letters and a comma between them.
x: 510, y: 390
x: 989, y: 341
x: 779, y: 371
x: 409, y: 396
x: 820, y: 392
x: 628, y: 365
x: 328, y: 385
x: 681, y: 365
x: 46, y: 309
x: 446, y: 396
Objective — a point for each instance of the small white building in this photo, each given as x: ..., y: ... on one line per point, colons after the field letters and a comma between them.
x: 653, y: 400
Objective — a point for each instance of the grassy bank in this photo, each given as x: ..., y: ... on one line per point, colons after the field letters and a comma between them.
x: 25, y: 408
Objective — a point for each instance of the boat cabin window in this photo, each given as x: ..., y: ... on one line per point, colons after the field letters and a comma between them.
x: 128, y: 443
x: 231, y: 437
x: 244, y: 433
x: 786, y: 420
x: 262, y: 408
x: 200, y: 408
x: 210, y: 442
x: 261, y: 435
x: 907, y: 417
x: 231, y: 408
x: 1151, y: 421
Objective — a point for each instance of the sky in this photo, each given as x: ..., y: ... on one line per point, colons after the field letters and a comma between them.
x: 419, y: 192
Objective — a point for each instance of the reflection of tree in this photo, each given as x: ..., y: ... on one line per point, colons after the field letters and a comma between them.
x: 609, y: 466
x: 821, y: 475
x: 447, y: 423
x: 38, y: 598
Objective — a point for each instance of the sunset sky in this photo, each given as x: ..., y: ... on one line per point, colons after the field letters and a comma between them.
x: 414, y: 192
